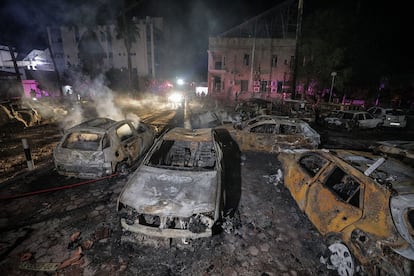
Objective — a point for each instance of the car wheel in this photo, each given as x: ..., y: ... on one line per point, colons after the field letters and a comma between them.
x: 122, y: 169
x: 339, y: 258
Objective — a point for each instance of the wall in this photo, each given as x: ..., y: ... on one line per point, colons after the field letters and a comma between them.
x: 227, y: 62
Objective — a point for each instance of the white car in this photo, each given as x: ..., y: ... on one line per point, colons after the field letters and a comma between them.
x: 176, y: 192
x: 357, y: 120
x: 100, y: 147
x: 392, y: 117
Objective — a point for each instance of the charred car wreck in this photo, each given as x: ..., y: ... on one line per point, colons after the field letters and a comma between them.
x: 176, y: 192
x: 100, y: 147
x: 362, y: 203
x: 270, y: 133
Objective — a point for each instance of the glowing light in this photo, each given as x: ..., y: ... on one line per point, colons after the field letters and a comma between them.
x: 180, y: 81
x: 175, y: 97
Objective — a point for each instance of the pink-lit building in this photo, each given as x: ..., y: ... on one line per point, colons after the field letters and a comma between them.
x: 255, y: 59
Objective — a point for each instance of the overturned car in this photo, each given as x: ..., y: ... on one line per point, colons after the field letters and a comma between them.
x: 363, y: 204
x: 271, y: 133
x: 100, y: 147
x: 176, y: 192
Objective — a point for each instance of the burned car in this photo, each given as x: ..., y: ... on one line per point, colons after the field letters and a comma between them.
x: 351, y: 120
x: 403, y: 150
x: 176, y: 192
x: 100, y: 147
x: 362, y: 203
x: 272, y: 133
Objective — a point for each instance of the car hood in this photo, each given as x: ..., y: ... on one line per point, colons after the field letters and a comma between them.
x: 166, y: 192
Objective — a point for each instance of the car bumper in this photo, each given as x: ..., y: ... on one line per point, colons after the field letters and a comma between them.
x: 164, y: 233
x: 85, y: 172
x: 395, y: 124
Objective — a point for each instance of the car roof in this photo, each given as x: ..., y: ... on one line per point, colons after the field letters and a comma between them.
x: 96, y: 124
x: 391, y: 172
x: 354, y: 111
x: 192, y: 135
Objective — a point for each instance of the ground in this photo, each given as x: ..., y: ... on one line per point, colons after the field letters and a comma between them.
x: 266, y: 235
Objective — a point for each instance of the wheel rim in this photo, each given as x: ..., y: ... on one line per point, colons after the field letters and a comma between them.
x: 341, y: 258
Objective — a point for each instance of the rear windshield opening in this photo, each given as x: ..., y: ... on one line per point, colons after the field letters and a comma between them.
x: 82, y: 141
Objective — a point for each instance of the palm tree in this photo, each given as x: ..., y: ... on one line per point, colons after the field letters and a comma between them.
x: 127, y: 30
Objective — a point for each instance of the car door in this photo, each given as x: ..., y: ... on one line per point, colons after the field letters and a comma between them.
x: 129, y: 142
x: 371, y: 121
x: 361, y: 122
x: 146, y: 135
x: 298, y: 179
x: 334, y: 200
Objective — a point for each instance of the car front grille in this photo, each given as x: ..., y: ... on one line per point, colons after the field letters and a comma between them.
x: 197, y: 223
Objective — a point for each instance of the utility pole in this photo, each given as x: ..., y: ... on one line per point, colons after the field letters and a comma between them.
x: 298, y: 37
x: 16, y: 68
x: 333, y: 74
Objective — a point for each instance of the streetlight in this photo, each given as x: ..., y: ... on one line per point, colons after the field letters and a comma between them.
x: 333, y: 74
x: 180, y: 81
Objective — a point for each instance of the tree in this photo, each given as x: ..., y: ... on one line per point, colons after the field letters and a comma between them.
x: 324, y: 49
x: 91, y: 54
x: 127, y: 30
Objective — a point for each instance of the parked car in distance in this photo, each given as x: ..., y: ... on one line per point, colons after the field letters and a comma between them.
x: 392, y: 117
x: 100, y: 147
x: 331, y: 118
x: 271, y: 133
x: 176, y: 192
x: 351, y: 120
x: 362, y: 203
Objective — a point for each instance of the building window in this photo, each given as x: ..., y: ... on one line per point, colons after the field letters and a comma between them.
x: 246, y: 59
x: 286, y: 63
x: 279, y: 86
x: 292, y: 62
x: 244, y: 84
x: 217, y: 84
x: 224, y: 61
x: 274, y: 60
x: 217, y: 65
x: 264, y: 87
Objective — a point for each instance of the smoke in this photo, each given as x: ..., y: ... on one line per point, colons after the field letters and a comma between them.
x: 103, y: 99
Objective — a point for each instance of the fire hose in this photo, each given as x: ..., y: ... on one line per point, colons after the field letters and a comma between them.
x: 56, y: 188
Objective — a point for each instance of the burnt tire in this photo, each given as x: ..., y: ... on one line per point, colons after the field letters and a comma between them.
x: 338, y: 257
x: 122, y: 169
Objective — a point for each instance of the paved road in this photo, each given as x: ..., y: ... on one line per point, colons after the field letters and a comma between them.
x: 266, y: 234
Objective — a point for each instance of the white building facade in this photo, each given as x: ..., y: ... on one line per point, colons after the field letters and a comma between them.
x: 144, y: 52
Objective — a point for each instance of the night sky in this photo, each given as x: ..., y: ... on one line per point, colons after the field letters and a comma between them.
x: 189, y: 23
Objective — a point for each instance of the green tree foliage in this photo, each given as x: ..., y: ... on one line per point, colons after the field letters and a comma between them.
x: 91, y: 54
x: 127, y: 29
x: 324, y: 49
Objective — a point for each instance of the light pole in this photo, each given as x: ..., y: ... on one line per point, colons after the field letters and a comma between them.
x: 333, y: 74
